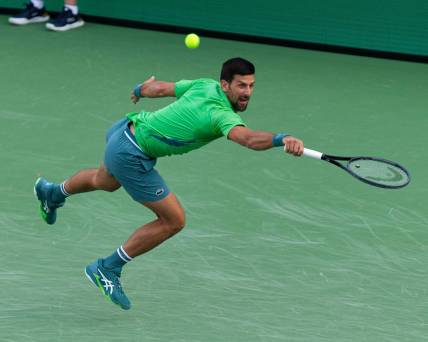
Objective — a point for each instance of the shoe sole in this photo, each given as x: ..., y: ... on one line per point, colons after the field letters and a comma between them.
x: 37, y: 198
x: 89, y: 277
x: 24, y: 21
x: 77, y: 24
x: 34, y: 189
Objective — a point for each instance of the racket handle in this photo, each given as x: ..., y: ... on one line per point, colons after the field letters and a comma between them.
x: 312, y: 153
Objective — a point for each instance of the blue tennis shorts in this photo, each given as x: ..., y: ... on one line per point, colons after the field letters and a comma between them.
x: 133, y: 169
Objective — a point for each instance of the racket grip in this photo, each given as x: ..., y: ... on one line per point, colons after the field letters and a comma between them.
x: 312, y: 153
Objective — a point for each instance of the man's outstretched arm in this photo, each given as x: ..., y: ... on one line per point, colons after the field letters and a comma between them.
x: 260, y: 140
x: 152, y: 88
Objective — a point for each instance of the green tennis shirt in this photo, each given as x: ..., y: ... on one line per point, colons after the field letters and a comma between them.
x: 201, y: 113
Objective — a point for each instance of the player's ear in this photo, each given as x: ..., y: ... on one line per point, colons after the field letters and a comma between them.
x: 224, y: 85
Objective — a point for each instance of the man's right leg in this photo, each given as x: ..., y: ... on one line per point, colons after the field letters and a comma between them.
x: 170, y: 220
x: 105, y: 272
x: 52, y: 196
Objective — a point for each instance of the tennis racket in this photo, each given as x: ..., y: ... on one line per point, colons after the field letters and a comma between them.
x: 374, y: 171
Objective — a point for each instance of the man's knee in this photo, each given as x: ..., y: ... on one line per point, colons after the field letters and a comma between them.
x: 176, y: 223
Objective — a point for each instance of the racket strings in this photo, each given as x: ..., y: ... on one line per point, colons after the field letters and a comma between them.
x: 380, y: 172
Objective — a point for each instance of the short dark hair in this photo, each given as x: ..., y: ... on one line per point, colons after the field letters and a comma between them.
x: 236, y: 66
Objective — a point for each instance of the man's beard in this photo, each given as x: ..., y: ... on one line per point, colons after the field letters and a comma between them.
x: 237, y: 107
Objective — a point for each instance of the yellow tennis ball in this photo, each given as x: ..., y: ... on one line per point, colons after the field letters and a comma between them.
x: 192, y: 41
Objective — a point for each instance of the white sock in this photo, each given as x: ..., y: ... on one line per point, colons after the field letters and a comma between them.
x: 72, y: 8
x: 37, y: 3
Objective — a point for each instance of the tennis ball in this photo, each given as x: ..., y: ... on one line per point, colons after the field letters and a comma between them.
x: 192, y: 41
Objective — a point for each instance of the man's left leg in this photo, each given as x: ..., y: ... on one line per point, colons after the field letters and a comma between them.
x: 52, y: 196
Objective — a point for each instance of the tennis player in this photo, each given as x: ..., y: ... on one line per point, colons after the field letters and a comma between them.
x: 204, y: 110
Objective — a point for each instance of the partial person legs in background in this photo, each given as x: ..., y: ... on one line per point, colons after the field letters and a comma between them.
x: 35, y: 12
x: 68, y: 19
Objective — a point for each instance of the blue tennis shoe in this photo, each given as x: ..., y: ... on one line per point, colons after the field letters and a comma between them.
x: 43, y: 192
x: 107, y: 280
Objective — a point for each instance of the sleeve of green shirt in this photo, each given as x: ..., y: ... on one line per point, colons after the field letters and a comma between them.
x: 181, y: 87
x: 223, y: 121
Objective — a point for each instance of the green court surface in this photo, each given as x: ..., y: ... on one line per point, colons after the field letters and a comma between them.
x: 276, y: 248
